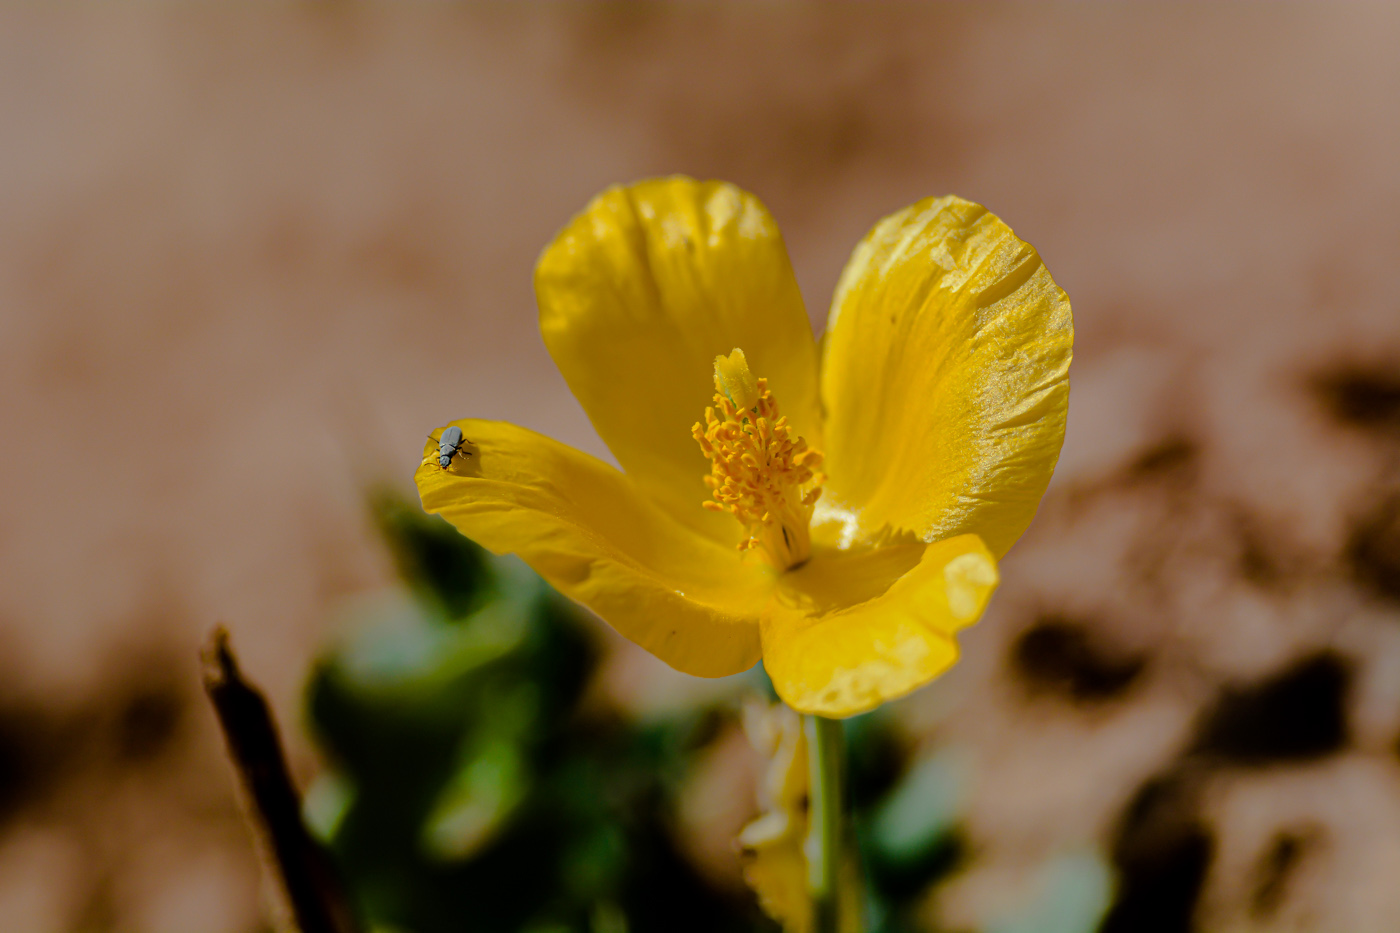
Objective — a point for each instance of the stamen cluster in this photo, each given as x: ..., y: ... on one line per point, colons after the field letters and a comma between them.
x: 761, y: 473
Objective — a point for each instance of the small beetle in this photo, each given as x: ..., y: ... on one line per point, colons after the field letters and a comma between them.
x: 450, y: 445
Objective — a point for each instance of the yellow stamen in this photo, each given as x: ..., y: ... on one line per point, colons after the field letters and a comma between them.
x: 760, y: 471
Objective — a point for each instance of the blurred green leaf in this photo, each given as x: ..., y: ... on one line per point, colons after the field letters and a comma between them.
x: 1073, y: 893
x: 922, y: 809
x: 476, y: 800
x: 326, y: 802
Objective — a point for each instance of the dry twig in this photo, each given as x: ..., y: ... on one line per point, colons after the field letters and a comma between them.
x: 317, y: 900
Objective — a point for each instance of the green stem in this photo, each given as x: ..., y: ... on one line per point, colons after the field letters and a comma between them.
x: 826, y: 754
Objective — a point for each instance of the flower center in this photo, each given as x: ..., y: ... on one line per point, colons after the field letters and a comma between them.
x: 760, y: 471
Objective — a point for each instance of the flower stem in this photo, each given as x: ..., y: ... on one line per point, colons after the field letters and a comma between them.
x: 826, y: 754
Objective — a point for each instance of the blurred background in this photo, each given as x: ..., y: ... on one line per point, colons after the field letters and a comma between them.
x: 250, y: 257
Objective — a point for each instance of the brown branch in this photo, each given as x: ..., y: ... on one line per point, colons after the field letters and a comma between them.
x: 318, y: 902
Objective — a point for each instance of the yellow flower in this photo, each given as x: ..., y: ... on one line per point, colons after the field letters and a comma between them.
x: 840, y: 518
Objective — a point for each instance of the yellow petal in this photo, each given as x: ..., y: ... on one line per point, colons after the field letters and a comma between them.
x: 776, y: 869
x: 945, y: 378
x: 842, y: 661
x: 640, y: 293
x: 582, y: 526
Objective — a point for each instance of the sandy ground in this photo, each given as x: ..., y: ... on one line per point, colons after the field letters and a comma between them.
x: 249, y: 258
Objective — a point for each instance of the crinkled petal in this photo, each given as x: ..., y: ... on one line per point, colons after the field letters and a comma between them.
x: 583, y: 526
x: 640, y: 293
x: 945, y: 378
x: 837, y: 661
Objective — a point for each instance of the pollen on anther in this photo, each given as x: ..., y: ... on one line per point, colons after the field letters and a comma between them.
x: 760, y: 471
